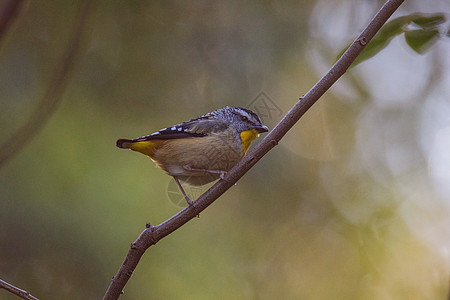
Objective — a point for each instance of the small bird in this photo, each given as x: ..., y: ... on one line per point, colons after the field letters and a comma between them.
x: 203, y: 149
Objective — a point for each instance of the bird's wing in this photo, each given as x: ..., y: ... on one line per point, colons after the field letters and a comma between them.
x: 198, y: 127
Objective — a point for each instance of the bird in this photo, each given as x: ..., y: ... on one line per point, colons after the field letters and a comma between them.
x: 203, y: 149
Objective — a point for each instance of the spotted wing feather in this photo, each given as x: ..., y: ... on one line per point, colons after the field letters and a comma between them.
x: 198, y: 127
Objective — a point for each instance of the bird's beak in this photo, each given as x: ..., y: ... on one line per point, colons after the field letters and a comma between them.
x: 262, y: 128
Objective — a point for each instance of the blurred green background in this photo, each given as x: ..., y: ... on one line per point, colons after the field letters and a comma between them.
x: 353, y: 203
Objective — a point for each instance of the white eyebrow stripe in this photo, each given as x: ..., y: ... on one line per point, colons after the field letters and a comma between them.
x: 242, y: 112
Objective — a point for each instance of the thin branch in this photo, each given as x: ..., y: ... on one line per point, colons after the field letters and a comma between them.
x: 152, y: 234
x: 16, y: 291
x: 52, y: 97
x: 8, y: 12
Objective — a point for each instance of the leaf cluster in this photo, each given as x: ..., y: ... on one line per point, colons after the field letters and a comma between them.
x: 421, y: 32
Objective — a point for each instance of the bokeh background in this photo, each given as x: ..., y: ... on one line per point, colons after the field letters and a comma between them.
x: 353, y: 204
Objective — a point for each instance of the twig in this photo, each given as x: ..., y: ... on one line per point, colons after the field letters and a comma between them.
x: 152, y: 234
x: 16, y: 291
x: 50, y: 100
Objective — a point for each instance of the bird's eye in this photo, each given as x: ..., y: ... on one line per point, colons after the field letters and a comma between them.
x: 244, y: 118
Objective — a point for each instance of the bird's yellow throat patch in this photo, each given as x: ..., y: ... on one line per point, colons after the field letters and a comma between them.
x: 247, y: 138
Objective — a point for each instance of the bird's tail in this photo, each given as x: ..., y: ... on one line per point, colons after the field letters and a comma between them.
x: 124, y: 144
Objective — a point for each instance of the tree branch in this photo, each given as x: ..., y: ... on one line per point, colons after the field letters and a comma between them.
x: 52, y: 97
x: 16, y: 291
x: 152, y: 234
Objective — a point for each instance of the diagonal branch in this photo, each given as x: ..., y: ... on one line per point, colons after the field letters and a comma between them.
x: 152, y: 234
x: 52, y: 97
x: 16, y: 291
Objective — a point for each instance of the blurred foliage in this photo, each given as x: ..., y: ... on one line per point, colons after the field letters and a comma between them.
x: 353, y: 203
x: 420, y: 40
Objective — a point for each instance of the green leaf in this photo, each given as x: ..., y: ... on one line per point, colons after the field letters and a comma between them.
x: 430, y: 21
x: 421, y: 40
x: 382, y: 39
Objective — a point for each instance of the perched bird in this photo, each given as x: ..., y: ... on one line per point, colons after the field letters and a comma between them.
x: 203, y: 149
